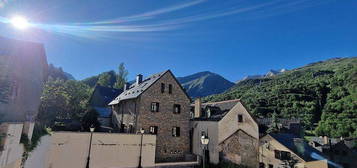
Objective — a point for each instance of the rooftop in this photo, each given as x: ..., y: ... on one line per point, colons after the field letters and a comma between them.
x: 298, y: 146
x: 215, y: 111
x: 135, y: 90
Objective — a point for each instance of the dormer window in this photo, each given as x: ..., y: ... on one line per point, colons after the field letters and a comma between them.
x: 162, y: 87
x: 240, y: 118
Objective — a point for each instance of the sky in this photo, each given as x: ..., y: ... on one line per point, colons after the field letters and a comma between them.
x: 233, y: 38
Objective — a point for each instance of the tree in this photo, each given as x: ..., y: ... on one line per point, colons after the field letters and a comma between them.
x: 62, y: 100
x: 90, y: 119
x: 121, y: 76
x: 274, y: 127
x: 104, y: 80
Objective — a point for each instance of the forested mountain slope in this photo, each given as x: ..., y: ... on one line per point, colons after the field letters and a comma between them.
x: 322, y: 92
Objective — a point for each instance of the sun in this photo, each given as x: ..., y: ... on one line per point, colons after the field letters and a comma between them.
x: 20, y: 22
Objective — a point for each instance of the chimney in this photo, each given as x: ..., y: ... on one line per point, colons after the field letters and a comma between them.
x: 126, y: 86
x: 139, y: 79
x: 326, y: 140
x: 198, y: 104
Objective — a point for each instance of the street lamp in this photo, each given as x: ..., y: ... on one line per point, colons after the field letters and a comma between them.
x: 142, y: 131
x: 91, y: 129
x: 204, y: 141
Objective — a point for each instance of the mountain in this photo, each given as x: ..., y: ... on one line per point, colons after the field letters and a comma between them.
x: 204, y: 83
x: 268, y: 74
x: 323, y: 93
x: 106, y: 79
x: 58, y: 73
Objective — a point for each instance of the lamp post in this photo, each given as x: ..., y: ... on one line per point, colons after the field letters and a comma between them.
x: 142, y: 131
x: 204, y: 141
x: 90, y: 145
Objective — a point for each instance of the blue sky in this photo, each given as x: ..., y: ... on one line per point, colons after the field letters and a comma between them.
x: 233, y: 38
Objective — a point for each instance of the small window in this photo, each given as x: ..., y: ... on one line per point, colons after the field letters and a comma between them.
x: 261, y: 165
x: 176, y: 131
x: 240, y: 118
x: 203, y: 133
x: 162, y: 87
x: 153, y: 129
x: 277, y: 154
x: 154, y: 107
x: 177, y: 109
x: 170, y: 89
x: 271, y: 166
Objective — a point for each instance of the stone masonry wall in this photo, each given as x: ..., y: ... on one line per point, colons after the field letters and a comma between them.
x: 240, y: 148
x: 168, y: 148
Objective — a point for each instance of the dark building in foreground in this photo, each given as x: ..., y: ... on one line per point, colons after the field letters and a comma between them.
x: 159, y: 105
x: 23, y: 72
x: 99, y: 101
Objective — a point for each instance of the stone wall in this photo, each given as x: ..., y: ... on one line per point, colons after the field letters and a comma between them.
x: 168, y: 148
x: 240, y: 148
x: 70, y: 149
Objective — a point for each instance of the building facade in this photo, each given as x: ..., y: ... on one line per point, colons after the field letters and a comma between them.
x: 158, y: 105
x: 233, y: 133
x: 23, y: 72
x: 288, y: 150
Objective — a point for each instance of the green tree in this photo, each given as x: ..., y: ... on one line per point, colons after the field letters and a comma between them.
x: 90, y: 119
x: 274, y: 127
x: 104, y: 80
x: 62, y: 100
x: 121, y: 76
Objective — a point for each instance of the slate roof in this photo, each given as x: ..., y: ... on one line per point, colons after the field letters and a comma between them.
x: 107, y: 95
x: 135, y: 90
x: 298, y: 146
x: 217, y: 110
x: 103, y: 112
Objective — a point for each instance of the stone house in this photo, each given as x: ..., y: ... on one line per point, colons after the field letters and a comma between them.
x: 288, y: 150
x: 340, y: 151
x: 99, y: 101
x: 231, y: 129
x: 160, y: 106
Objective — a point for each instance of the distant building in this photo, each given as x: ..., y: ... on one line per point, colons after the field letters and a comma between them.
x: 288, y: 150
x: 340, y: 151
x: 23, y: 71
x: 289, y: 126
x: 99, y: 101
x: 231, y: 129
x: 160, y: 106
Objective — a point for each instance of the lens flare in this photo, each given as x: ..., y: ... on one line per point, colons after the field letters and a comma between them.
x: 19, y: 22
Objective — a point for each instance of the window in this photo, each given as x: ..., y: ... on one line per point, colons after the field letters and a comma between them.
x: 177, y: 109
x: 282, y: 155
x: 153, y: 129
x: 261, y: 165
x: 162, y: 87
x: 240, y: 118
x: 271, y: 166
x: 170, y: 89
x: 154, y: 107
x: 176, y: 131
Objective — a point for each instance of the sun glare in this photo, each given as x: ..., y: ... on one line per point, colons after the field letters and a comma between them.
x: 19, y: 22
